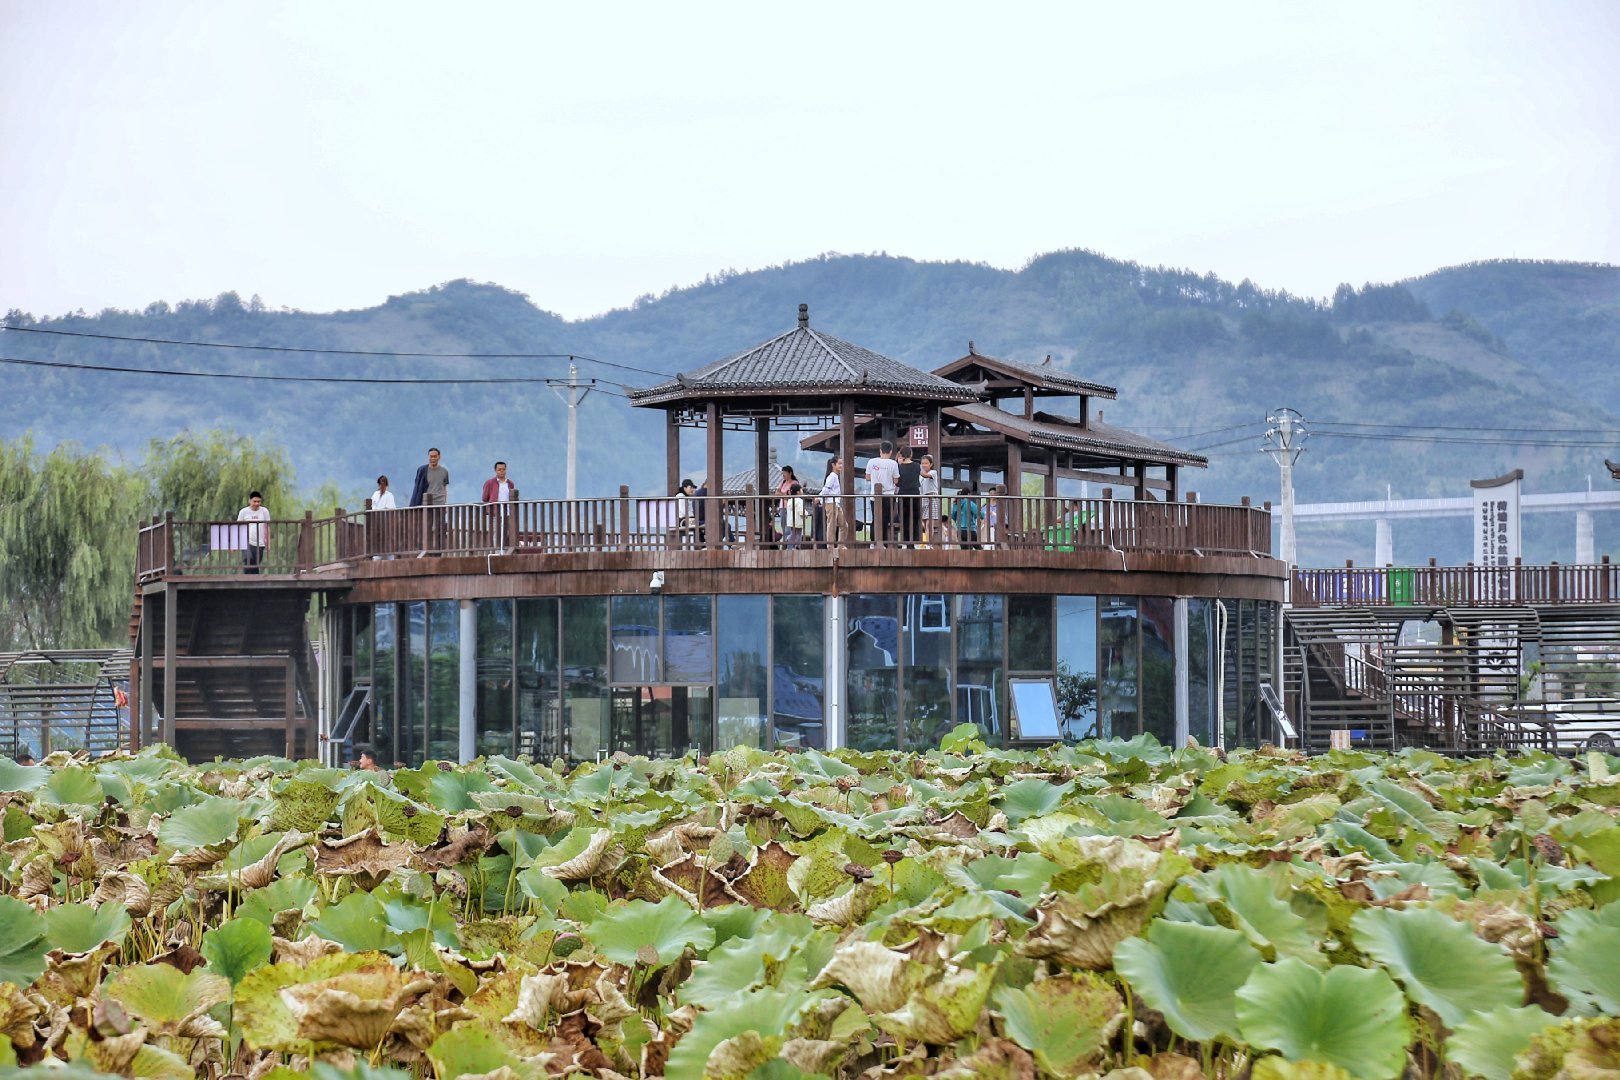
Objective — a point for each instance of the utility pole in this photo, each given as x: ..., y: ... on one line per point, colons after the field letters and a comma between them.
x: 576, y: 393
x: 1285, y: 441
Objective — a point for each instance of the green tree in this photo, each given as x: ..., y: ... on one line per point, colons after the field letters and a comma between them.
x: 207, y: 476
x: 67, y: 547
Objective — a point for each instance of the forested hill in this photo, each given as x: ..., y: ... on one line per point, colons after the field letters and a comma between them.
x: 1522, y: 345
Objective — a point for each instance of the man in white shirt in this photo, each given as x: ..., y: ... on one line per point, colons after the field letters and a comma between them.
x: 258, y: 532
x: 883, y: 471
x: 832, y: 507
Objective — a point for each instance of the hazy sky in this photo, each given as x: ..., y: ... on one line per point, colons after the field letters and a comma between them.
x: 326, y: 155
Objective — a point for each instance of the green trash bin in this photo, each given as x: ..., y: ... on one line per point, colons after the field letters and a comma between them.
x: 1401, y: 587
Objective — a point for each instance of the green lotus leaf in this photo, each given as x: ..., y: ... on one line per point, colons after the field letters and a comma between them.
x: 737, y: 921
x: 279, y: 1006
x: 359, y: 923
x: 473, y: 1051
x: 408, y: 914
x: 1439, y: 961
x: 69, y: 1071
x: 1249, y: 897
x: 1066, y: 1022
x: 1118, y: 815
x: 210, y: 822
x: 1586, y: 968
x: 1485, y: 1045
x: 667, y: 927
x: 766, y: 1012
x: 1348, y: 836
x: 1410, y: 810
x: 911, y: 1000
x: 1354, y: 1018
x: 15, y: 777
x: 453, y: 791
x: 1031, y: 798
x: 164, y: 996
x: 521, y: 774
x: 282, y: 894
x: 1028, y: 874
x: 745, y: 963
x: 1189, y: 973
x: 79, y: 928
x: 160, y: 1063
x: 303, y: 805
x: 237, y: 947
x: 1391, y: 879
x: 75, y: 785
x: 1276, y: 1068
x: 22, y: 942
x: 395, y: 816
x: 326, y: 1071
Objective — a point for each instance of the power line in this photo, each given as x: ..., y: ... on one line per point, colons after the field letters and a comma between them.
x: 1460, y: 441
x: 1468, y: 427
x: 338, y: 352
x: 393, y: 381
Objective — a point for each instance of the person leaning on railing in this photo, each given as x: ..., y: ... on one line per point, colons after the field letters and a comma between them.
x: 258, y: 532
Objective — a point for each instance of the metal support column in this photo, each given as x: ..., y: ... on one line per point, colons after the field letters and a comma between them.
x: 468, y: 683
x: 834, y: 647
x: 1183, y: 673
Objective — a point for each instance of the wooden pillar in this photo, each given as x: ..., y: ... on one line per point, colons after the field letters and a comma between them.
x: 1139, y: 474
x: 1011, y: 514
x: 936, y: 439
x: 1173, y: 474
x: 714, y: 527
x: 672, y: 453
x: 171, y: 635
x: 762, y: 476
x: 846, y: 457
x: 1051, y: 474
x: 1085, y: 411
x: 1015, y: 467
x: 147, y: 714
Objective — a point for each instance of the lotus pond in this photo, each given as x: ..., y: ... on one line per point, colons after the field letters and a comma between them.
x: 1111, y: 908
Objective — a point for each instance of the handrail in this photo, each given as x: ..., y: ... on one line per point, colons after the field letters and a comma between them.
x: 626, y: 523
x: 1458, y: 586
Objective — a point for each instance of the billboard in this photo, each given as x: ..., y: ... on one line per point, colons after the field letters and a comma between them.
x: 1496, y: 534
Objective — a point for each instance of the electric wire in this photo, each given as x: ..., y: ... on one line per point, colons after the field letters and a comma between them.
x: 337, y: 352
x: 386, y: 380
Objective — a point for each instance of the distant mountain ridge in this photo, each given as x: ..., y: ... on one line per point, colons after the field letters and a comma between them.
x: 1487, y: 346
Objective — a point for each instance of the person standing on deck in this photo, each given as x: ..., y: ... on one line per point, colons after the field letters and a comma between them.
x: 882, y: 472
x: 928, y: 484
x: 382, y: 498
x: 258, y: 532
x: 832, y: 508
x: 498, y: 495
x: 908, y: 485
x: 432, y: 488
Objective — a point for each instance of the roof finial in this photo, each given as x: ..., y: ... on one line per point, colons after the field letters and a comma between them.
x: 804, y: 316
x: 971, y: 350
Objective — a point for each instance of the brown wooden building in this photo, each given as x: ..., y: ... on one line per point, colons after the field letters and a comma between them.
x: 658, y: 623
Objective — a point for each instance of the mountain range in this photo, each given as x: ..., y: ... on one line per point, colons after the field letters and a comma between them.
x: 1391, y: 378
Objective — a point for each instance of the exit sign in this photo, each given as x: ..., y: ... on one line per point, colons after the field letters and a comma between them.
x: 919, y: 435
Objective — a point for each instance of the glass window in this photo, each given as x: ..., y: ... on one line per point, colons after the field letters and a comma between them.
x: 383, y: 711
x: 539, y: 702
x: 1248, y: 694
x: 1231, y: 647
x: 925, y: 625
x: 981, y: 681
x: 444, y: 681
x: 688, y: 639
x: 1202, y: 663
x: 872, y: 645
x: 1077, y: 665
x: 362, y: 643
x: 798, y: 671
x: 1117, y: 682
x: 744, y: 640
x: 412, y: 683
x: 1029, y: 633
x: 495, y: 678
x: 585, y: 682
x: 1159, y: 668
x: 635, y: 640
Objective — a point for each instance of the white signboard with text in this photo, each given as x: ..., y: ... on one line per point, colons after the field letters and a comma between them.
x: 1496, y: 534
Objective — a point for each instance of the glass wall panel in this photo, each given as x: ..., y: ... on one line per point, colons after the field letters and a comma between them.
x: 1202, y: 664
x: 539, y: 701
x: 1159, y: 668
x: 744, y: 644
x: 798, y: 671
x: 444, y: 681
x: 585, y: 676
x: 412, y: 683
x: 361, y: 669
x: 1231, y: 648
x: 635, y: 640
x: 1249, y: 642
x: 1029, y: 633
x: 496, y: 678
x: 661, y: 721
x: 1117, y: 677
x: 872, y: 693
x: 1077, y: 666
x: 925, y: 624
x: 384, y: 713
x: 981, y: 680
x: 688, y: 639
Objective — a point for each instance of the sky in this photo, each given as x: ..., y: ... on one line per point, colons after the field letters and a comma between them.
x: 325, y: 156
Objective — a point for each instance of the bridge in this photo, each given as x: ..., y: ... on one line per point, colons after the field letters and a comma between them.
x: 1384, y: 512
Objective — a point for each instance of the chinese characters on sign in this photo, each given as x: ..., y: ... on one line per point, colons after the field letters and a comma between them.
x: 1496, y: 535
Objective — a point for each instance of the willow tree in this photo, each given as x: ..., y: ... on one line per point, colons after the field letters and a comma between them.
x: 67, y: 547
x: 208, y: 476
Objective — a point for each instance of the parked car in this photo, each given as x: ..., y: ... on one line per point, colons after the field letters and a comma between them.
x: 1572, y: 726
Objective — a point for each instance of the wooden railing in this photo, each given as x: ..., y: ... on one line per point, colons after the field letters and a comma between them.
x: 1458, y: 586
x: 750, y: 522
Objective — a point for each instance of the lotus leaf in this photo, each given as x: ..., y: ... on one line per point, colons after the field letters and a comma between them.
x: 761, y: 1011
x: 1408, y: 810
x: 75, y: 786
x: 22, y: 778
x: 1487, y: 1044
x: 1587, y: 967
x: 283, y: 894
x: 667, y: 927
x: 1031, y: 798
x: 22, y: 942
x: 1440, y: 961
x: 359, y: 923
x: 472, y: 1052
x: 1066, y: 1022
x: 396, y: 817
x: 172, y: 1002
x: 1249, y: 899
x: 1350, y: 1017
x: 237, y: 947
x: 1190, y: 973
x: 744, y: 963
x: 915, y: 1001
x: 303, y: 805
x: 1081, y: 928
x: 343, y: 999
x: 207, y: 824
